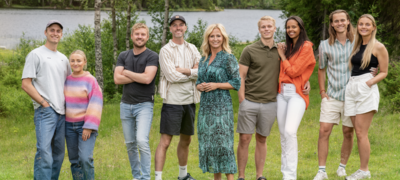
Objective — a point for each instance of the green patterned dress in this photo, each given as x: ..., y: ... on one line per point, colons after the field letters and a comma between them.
x: 215, y: 118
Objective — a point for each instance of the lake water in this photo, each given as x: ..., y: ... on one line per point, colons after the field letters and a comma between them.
x: 15, y: 22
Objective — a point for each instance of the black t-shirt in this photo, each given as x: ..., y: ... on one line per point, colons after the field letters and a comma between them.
x: 356, y: 61
x: 134, y: 93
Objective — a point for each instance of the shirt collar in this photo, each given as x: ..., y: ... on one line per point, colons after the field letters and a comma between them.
x: 347, y: 40
x: 264, y: 46
x: 176, y: 45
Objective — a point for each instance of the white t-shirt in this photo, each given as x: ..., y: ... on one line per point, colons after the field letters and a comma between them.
x: 181, y: 49
x: 48, y: 70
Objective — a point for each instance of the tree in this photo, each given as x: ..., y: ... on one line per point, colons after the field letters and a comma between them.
x: 8, y: 2
x: 114, y: 31
x: 165, y: 25
x: 97, y: 35
x: 315, y: 14
x: 128, y: 24
x: 156, y: 11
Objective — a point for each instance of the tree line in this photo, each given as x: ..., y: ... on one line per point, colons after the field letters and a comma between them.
x: 146, y: 4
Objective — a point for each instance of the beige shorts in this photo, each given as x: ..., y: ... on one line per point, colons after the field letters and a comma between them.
x: 332, y: 111
x: 359, y: 97
x: 256, y: 116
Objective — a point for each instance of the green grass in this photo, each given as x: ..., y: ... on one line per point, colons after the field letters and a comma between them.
x: 17, y: 147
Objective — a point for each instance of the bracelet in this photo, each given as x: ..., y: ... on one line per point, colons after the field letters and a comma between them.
x: 321, y: 91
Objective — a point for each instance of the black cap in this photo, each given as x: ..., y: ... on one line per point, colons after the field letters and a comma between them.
x: 177, y: 17
x: 51, y: 22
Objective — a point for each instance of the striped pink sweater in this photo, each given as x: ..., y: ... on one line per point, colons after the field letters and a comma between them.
x: 83, y: 100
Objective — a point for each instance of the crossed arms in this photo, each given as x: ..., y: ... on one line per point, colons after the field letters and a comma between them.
x: 123, y: 76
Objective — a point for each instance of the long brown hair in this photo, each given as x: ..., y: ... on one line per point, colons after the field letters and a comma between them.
x: 332, y: 31
x: 291, y: 50
x: 366, y: 59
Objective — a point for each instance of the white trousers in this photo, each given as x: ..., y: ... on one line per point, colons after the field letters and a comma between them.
x: 291, y: 107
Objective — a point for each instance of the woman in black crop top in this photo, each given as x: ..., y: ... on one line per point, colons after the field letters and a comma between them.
x: 362, y: 94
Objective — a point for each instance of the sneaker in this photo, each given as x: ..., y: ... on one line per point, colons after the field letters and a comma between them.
x: 341, y: 172
x: 187, y: 177
x: 321, y: 175
x: 359, y: 175
x: 240, y: 179
x: 262, y: 178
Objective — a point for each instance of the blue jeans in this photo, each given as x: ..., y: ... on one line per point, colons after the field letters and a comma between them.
x: 50, y: 143
x: 80, y: 152
x: 136, y: 123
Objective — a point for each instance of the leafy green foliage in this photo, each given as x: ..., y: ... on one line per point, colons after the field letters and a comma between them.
x: 156, y: 11
x: 249, y: 4
x: 13, y: 100
x: 196, y: 35
x: 392, y: 87
x: 315, y: 15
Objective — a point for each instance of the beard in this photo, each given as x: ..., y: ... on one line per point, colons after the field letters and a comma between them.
x: 138, y: 45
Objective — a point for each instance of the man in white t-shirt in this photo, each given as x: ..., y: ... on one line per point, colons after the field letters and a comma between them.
x: 43, y: 78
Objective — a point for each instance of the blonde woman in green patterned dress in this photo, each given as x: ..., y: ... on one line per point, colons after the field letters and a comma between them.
x: 218, y: 73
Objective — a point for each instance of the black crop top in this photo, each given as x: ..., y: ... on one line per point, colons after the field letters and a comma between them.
x: 356, y: 61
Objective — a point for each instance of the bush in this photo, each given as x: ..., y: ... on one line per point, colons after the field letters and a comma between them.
x: 14, y: 101
x: 196, y: 35
x: 391, y: 90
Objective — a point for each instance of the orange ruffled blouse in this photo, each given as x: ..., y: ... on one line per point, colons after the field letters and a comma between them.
x: 298, y: 69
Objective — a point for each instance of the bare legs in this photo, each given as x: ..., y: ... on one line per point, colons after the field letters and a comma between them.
x: 182, y: 150
x: 243, y: 151
x: 361, y: 123
x: 260, y: 154
x: 323, y: 143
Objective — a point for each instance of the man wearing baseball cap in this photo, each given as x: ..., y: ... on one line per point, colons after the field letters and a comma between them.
x: 178, y: 74
x: 43, y: 78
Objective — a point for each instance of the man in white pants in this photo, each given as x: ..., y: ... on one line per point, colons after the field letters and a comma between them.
x: 334, y: 54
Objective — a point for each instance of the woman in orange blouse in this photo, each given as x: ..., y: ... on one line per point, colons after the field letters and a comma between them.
x: 297, y: 66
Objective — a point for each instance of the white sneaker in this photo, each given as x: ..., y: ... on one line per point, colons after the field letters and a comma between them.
x: 321, y: 175
x: 341, y: 172
x: 359, y: 175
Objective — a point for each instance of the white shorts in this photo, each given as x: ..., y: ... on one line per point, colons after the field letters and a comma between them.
x: 359, y: 97
x: 332, y: 111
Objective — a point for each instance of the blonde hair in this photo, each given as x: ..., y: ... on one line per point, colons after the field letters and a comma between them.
x: 366, y: 59
x: 332, y: 31
x: 265, y: 18
x: 138, y: 26
x: 80, y: 52
x: 205, y: 46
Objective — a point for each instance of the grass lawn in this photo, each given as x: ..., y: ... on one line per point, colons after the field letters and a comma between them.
x: 18, y: 140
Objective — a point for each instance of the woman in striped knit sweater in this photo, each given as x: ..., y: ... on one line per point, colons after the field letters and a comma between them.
x: 84, y: 103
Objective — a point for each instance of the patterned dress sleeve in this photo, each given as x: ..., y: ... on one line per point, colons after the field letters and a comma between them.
x: 95, y: 106
x: 233, y: 72
x: 200, y: 72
